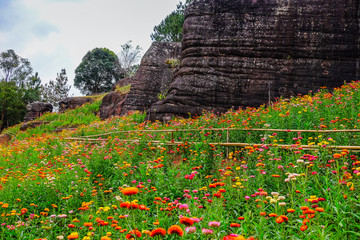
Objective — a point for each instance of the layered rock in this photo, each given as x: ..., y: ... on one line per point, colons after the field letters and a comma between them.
x: 73, y: 102
x: 36, y: 109
x: 243, y: 52
x: 112, y: 104
x: 153, y: 76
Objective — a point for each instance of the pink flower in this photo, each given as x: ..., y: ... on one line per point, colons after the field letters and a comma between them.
x: 190, y: 229
x: 183, y: 206
x: 247, y: 197
x: 214, y: 224
x: 207, y: 231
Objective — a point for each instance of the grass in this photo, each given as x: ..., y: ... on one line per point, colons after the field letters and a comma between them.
x: 55, y: 188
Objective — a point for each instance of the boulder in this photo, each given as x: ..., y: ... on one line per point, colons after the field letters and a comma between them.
x: 243, y: 52
x: 4, y: 138
x: 153, y: 76
x: 72, y: 103
x: 36, y: 109
x: 112, y: 104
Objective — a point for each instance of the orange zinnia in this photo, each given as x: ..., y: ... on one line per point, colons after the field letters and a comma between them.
x: 234, y: 225
x: 158, y: 232
x: 186, y: 221
x: 175, y: 229
x: 133, y: 233
x: 319, y: 209
x: 130, y: 191
x: 303, y: 228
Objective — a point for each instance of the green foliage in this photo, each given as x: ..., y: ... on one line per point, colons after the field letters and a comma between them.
x: 124, y: 89
x: 12, y: 106
x: 170, y: 29
x: 18, y: 88
x: 55, y: 91
x: 97, y: 72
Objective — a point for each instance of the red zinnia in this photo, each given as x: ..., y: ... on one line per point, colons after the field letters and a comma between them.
x: 186, y: 221
x: 158, y: 232
x: 175, y: 229
x: 133, y: 233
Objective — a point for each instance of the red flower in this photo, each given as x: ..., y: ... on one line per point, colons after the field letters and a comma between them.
x: 133, y: 233
x: 234, y: 225
x: 186, y: 221
x: 175, y: 229
x: 158, y: 232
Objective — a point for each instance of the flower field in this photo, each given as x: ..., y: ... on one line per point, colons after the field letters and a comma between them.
x: 126, y: 178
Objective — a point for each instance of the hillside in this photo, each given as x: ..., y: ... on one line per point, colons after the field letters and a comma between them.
x: 286, y: 171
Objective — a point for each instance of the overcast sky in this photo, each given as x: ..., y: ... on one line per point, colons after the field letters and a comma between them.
x: 56, y: 34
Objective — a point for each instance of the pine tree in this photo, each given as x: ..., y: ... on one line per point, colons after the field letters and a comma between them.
x: 54, y: 91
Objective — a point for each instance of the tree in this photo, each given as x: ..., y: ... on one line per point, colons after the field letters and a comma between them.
x: 129, y: 57
x: 12, y: 105
x: 17, y: 88
x: 14, y: 68
x: 54, y: 91
x: 170, y: 29
x: 98, y: 71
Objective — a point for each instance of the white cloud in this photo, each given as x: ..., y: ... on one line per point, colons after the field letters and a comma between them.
x: 56, y: 34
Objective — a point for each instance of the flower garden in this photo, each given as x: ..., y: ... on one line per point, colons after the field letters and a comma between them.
x: 287, y: 171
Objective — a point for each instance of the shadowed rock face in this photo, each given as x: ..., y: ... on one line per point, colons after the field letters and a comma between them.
x: 153, y: 76
x: 112, y: 104
x: 239, y: 52
x: 36, y: 109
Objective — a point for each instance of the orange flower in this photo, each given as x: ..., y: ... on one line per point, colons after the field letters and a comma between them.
x: 186, y: 221
x: 319, y: 209
x: 130, y: 191
x: 133, y: 233
x: 234, y: 237
x: 279, y: 220
x: 125, y: 205
x: 234, y: 225
x: 88, y: 224
x: 73, y: 235
x: 241, y: 218
x: 303, y: 228
x: 337, y: 155
x: 175, y: 229
x: 263, y: 214
x: 290, y: 210
x: 158, y: 232
x: 272, y: 215
x: 304, y: 208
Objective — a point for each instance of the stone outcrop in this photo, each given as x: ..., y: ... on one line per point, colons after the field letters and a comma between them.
x: 241, y: 52
x: 153, y: 76
x: 72, y: 103
x: 112, y: 104
x: 36, y: 109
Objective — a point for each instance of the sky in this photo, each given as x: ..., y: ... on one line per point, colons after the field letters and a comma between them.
x: 56, y: 34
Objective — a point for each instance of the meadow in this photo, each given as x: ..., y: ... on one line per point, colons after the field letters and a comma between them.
x: 127, y: 178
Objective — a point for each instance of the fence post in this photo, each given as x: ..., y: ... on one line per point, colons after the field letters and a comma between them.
x: 227, y: 141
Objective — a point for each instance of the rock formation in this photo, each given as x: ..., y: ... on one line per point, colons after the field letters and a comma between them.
x: 241, y: 52
x: 72, y: 103
x: 36, y: 109
x: 112, y: 104
x: 153, y: 76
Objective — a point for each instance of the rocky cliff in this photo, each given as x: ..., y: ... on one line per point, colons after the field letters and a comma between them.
x: 153, y: 76
x: 241, y: 52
